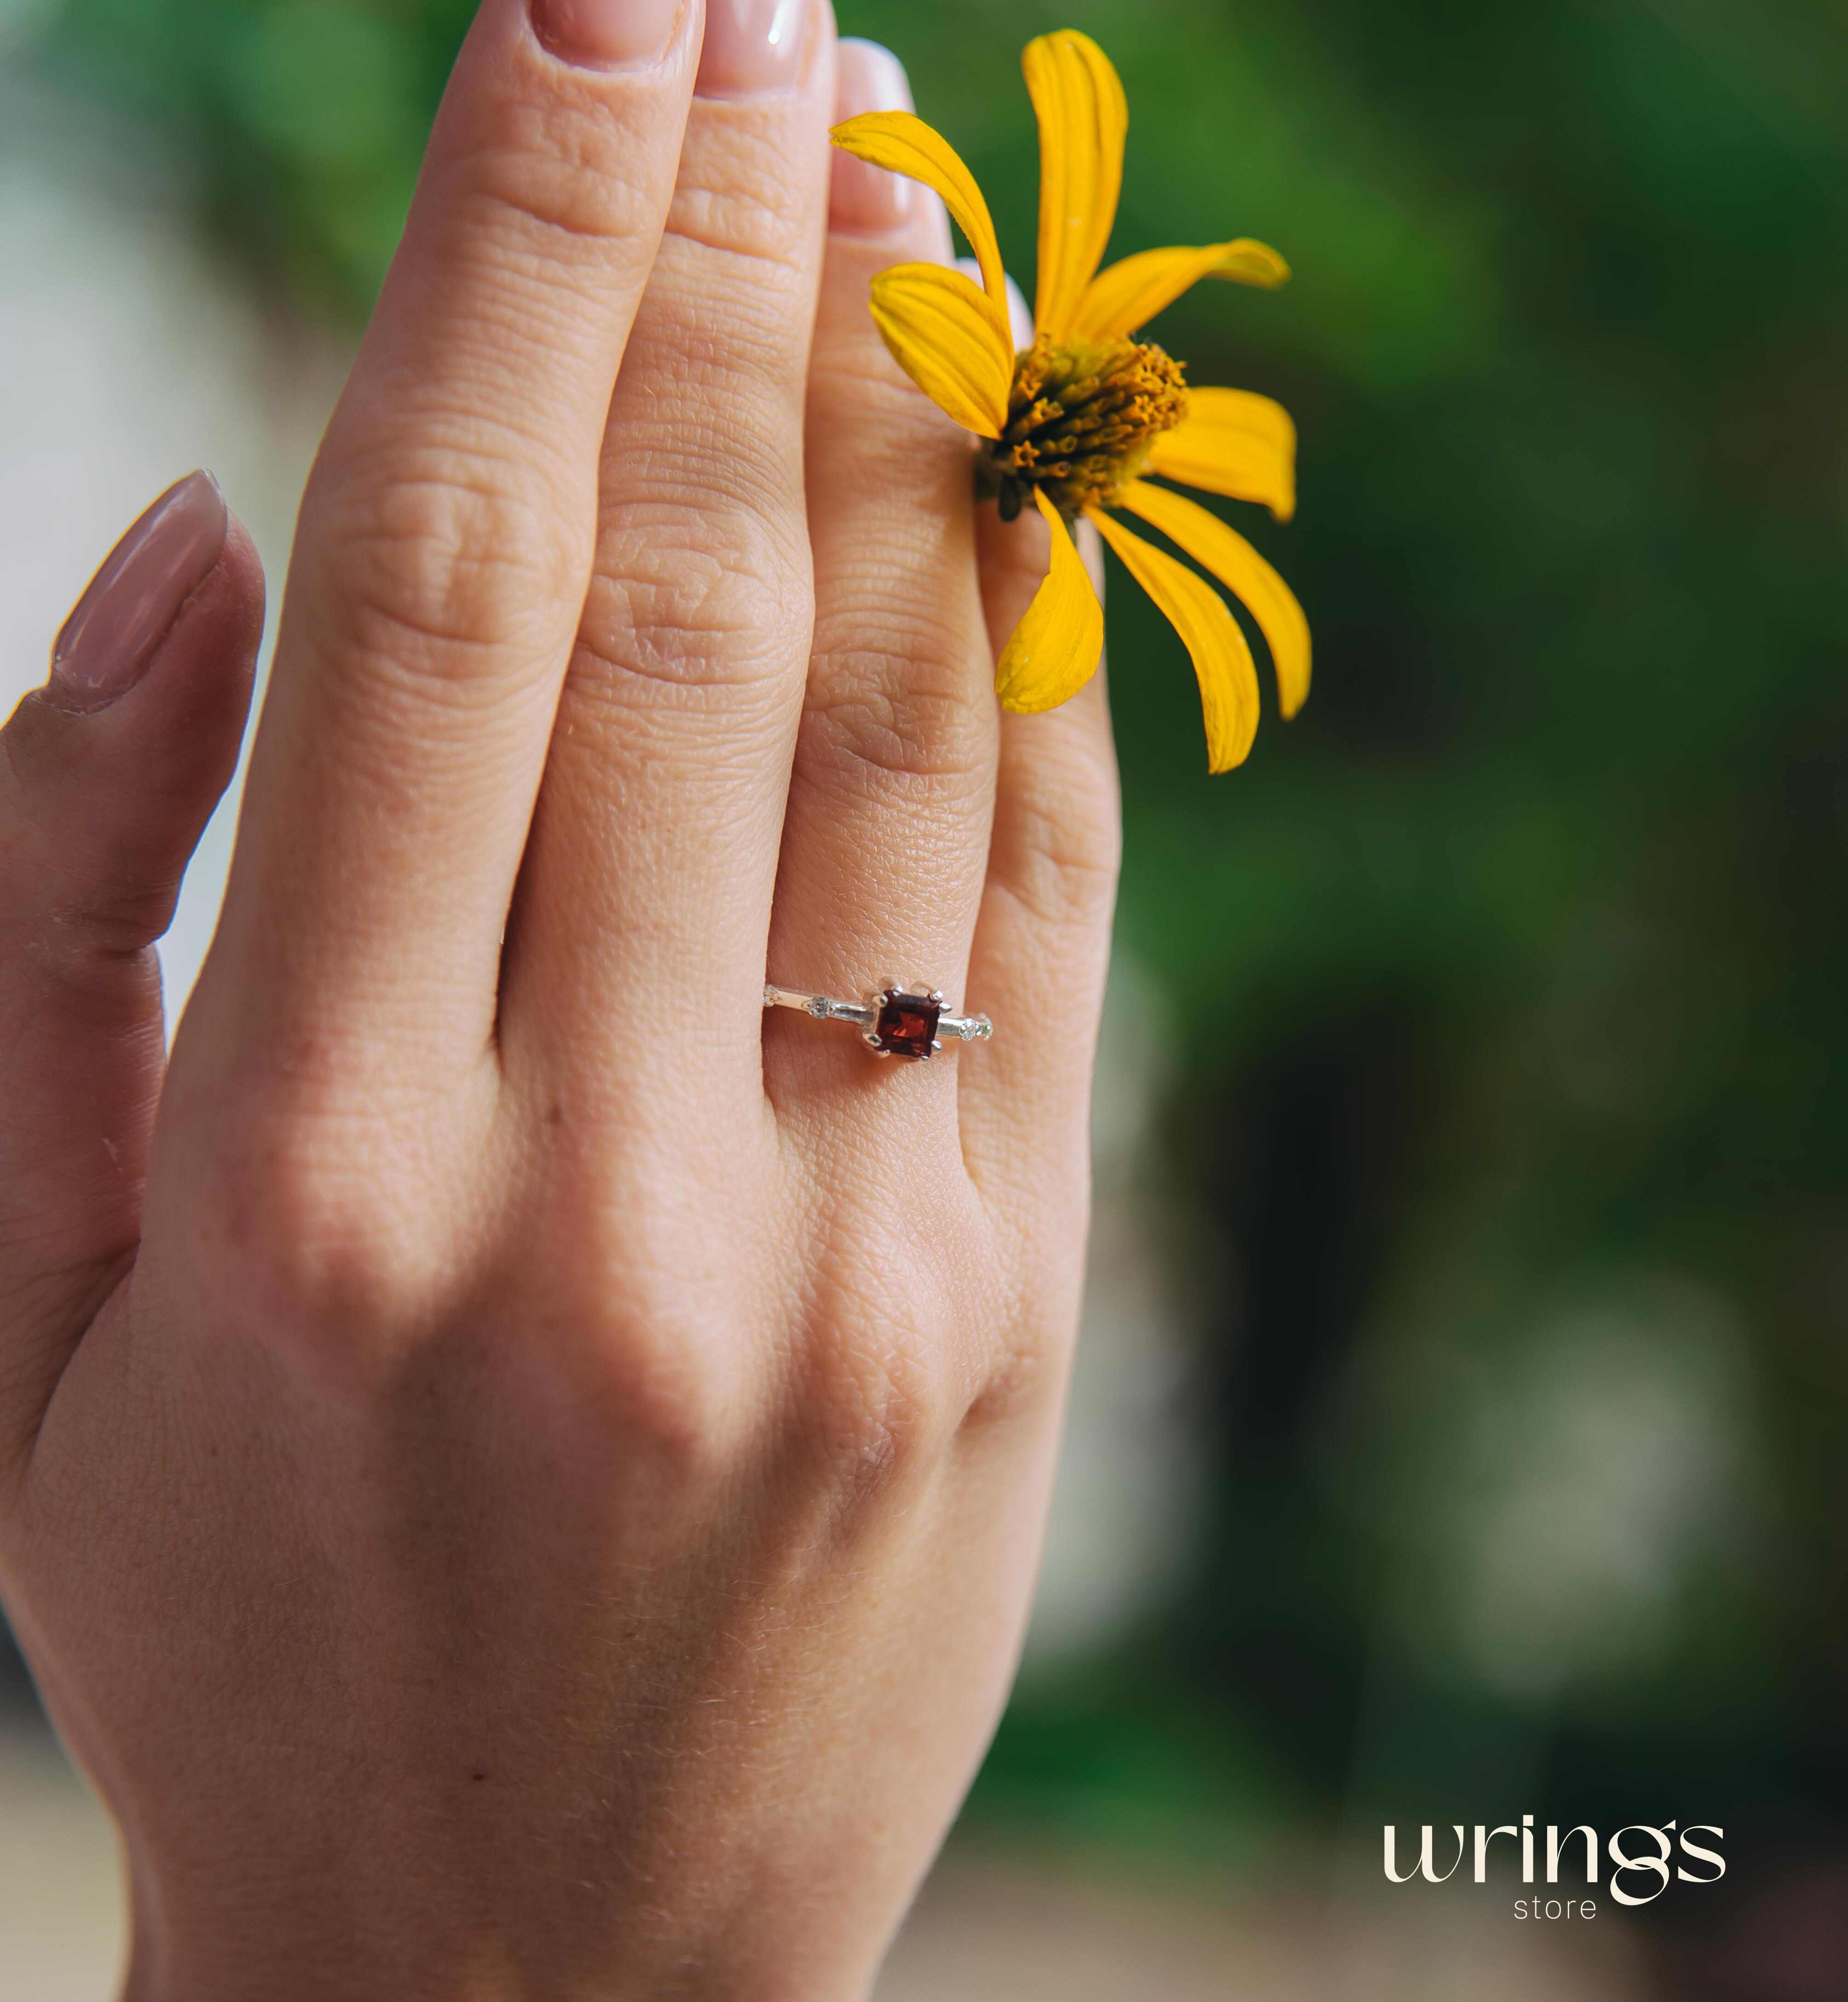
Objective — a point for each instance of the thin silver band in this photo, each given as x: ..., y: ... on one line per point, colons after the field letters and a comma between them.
x: 863, y: 1014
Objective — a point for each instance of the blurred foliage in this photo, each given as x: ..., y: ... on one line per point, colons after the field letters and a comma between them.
x: 1511, y: 974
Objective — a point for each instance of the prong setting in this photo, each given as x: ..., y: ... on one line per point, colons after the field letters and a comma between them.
x: 910, y: 1020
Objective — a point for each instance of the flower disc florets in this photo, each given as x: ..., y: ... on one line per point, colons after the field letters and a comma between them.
x: 1080, y: 418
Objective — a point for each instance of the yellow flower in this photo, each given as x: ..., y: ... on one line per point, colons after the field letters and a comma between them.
x: 1077, y: 419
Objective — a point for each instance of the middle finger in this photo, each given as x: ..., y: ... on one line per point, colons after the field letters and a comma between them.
x: 635, y: 950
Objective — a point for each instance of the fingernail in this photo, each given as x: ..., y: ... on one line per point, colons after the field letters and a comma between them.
x: 868, y: 78
x: 606, y: 34
x: 750, y: 46
x: 121, y: 619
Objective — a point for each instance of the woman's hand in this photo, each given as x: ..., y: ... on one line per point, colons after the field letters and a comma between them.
x: 519, y: 1474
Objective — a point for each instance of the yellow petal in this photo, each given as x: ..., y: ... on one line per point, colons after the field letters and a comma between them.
x: 1243, y: 572
x: 1083, y: 117
x: 1222, y: 660
x: 1135, y: 289
x: 1055, y: 649
x: 1234, y: 443
x: 944, y: 333
x: 902, y: 141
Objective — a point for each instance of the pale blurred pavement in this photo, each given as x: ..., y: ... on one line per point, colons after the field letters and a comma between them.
x: 992, y: 1926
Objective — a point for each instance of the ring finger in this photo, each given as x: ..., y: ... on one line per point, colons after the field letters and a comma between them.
x: 886, y: 830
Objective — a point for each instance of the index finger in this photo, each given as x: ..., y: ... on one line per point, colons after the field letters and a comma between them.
x: 446, y: 544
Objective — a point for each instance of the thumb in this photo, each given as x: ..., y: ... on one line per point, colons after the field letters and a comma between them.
x: 108, y: 775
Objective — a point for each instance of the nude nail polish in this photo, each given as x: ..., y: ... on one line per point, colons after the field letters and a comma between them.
x: 751, y: 46
x: 868, y: 78
x: 607, y: 34
x: 132, y: 601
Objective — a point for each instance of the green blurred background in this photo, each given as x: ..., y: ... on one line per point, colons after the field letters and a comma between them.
x: 1501, y: 1170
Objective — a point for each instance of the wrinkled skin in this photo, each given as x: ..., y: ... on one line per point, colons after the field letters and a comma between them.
x: 520, y: 1475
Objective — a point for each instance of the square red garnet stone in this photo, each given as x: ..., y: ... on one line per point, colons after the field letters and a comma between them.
x: 907, y: 1023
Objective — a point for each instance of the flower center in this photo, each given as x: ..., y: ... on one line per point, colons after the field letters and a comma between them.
x: 1080, y: 419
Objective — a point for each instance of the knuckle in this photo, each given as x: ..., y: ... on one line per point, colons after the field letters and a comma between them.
x: 871, y: 429
x: 549, y: 179
x: 1063, y: 856
x: 725, y: 202
x: 905, y: 1366
x: 872, y: 1404
x: 698, y: 607
x: 90, y: 959
x: 899, y: 698
x: 82, y: 895
x: 655, y: 1384
x: 449, y: 553
x: 1023, y: 1365
x: 651, y: 1382
x: 857, y: 371
x: 644, y: 1329
x: 111, y: 927
x: 317, y: 1233
x: 884, y: 1379
x: 863, y: 736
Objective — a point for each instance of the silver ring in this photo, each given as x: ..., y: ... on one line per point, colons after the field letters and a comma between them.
x: 892, y: 1021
